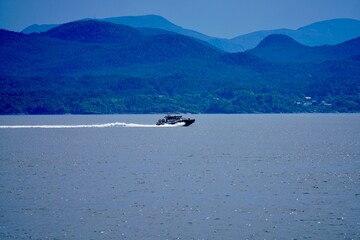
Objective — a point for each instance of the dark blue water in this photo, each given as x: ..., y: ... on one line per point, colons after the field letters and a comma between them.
x: 225, y: 177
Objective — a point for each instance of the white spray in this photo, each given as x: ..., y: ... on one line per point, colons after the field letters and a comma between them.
x: 104, y: 125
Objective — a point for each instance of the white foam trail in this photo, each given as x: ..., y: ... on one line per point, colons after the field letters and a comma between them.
x: 153, y: 125
x: 104, y: 125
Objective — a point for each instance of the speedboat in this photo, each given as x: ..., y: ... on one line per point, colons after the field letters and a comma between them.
x: 175, y: 119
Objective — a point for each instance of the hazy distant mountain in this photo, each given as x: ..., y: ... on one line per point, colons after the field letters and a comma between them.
x: 281, y: 48
x: 328, y: 32
x: 147, y: 21
x: 154, y: 21
x: 36, y: 28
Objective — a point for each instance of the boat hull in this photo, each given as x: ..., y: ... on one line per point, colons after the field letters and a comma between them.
x: 188, y: 122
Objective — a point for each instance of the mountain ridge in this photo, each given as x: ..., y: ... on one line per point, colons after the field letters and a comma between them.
x: 282, y: 48
x: 70, y: 44
x: 93, y: 31
x: 153, y: 21
x: 327, y: 32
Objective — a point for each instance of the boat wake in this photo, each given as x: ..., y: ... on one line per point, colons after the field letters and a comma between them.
x: 103, y: 125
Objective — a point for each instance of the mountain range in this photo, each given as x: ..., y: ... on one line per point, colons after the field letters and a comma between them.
x: 329, y: 32
x: 281, y: 48
x: 157, y: 22
x: 94, y: 66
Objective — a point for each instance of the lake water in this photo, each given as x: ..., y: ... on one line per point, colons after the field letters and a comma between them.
x: 225, y: 177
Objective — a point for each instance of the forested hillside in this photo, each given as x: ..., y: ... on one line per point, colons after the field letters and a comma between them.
x: 99, y: 67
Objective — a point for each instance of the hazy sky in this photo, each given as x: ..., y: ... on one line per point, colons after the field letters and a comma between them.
x: 220, y: 18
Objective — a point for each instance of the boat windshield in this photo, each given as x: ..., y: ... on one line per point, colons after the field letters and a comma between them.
x: 173, y: 117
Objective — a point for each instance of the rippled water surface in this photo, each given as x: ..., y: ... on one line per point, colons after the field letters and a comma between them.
x: 224, y: 177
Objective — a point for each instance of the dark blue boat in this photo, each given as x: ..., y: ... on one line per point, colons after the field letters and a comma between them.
x: 175, y: 119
